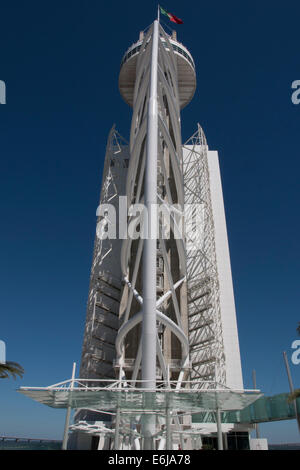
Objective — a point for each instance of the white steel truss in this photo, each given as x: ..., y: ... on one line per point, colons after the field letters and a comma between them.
x: 98, y: 352
x: 172, y: 347
x: 205, y: 326
x: 187, y: 344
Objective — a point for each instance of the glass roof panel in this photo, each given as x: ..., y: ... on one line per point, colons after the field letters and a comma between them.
x: 191, y: 401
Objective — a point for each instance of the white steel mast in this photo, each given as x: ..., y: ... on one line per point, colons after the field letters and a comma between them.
x: 150, y: 242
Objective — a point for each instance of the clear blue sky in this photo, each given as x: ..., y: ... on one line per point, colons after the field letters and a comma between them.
x: 60, y: 61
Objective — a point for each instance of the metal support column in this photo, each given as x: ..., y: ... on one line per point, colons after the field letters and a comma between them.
x: 225, y: 441
x: 68, y: 414
x: 218, y: 414
x: 254, y: 386
x: 150, y: 243
x: 118, y: 413
x: 117, y: 429
x: 219, y: 429
x: 168, y: 430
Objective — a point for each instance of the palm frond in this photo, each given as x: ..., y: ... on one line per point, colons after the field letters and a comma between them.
x: 294, y: 395
x: 11, y: 369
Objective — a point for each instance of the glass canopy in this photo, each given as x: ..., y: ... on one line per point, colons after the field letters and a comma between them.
x: 136, y: 400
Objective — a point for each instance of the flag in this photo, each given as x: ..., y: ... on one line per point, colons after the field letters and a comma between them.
x: 170, y: 16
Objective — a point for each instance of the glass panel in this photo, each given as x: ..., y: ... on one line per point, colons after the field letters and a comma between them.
x: 129, y: 400
x: 262, y: 410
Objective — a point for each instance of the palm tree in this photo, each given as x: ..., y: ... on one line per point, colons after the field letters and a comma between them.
x: 11, y: 369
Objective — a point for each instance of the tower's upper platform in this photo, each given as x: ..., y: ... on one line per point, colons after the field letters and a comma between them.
x: 185, y: 68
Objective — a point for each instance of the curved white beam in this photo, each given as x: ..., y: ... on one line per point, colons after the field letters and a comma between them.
x: 132, y: 322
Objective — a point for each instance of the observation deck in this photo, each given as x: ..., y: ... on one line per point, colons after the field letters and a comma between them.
x: 185, y: 68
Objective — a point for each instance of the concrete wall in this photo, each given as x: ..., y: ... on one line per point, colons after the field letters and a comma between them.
x: 228, y: 314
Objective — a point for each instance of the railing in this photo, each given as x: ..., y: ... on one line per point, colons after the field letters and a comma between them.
x: 26, y: 439
x: 105, y: 384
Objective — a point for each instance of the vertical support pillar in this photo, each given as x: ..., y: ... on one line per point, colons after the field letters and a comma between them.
x: 168, y: 414
x: 150, y: 244
x: 68, y: 414
x: 225, y: 440
x: 218, y: 414
x: 168, y: 429
x: 118, y: 412
x: 219, y: 429
x: 117, y: 429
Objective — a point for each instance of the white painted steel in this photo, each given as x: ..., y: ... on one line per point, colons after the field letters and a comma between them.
x: 172, y: 319
x: 68, y: 413
x: 150, y: 243
x: 163, y: 121
x: 204, y: 311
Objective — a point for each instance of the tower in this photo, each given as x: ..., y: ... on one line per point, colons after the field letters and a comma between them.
x: 161, y: 304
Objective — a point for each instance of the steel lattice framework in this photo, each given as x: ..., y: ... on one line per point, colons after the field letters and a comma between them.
x: 205, y: 326
x: 98, y: 352
x: 154, y: 316
x: 172, y: 347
